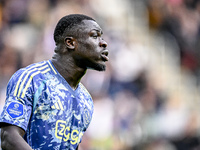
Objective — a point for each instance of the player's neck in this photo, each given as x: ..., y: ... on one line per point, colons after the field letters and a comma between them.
x: 69, y: 71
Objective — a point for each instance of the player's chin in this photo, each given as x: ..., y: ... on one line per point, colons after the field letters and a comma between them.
x: 98, y: 66
x: 101, y: 68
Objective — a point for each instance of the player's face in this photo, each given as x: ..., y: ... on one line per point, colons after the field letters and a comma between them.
x: 91, y: 49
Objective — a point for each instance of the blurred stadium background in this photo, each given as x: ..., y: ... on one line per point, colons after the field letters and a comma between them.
x: 148, y: 98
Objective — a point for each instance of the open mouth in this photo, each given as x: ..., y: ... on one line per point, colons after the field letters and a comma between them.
x: 104, y: 55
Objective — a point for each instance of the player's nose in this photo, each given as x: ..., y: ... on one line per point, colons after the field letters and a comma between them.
x: 103, y: 43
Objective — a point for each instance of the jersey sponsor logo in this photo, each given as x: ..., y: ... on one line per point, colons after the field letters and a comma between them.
x: 64, y: 133
x: 15, y: 109
x: 58, y: 105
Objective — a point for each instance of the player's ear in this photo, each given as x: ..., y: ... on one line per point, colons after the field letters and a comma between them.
x: 70, y: 43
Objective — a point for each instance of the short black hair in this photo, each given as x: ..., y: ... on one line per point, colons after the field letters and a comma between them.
x: 68, y: 22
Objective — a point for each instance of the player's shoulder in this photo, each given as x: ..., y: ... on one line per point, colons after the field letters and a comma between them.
x: 22, y: 79
x: 84, y: 90
x: 29, y: 72
x: 39, y: 66
x: 32, y: 70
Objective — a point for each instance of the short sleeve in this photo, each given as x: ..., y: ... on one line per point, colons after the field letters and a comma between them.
x: 18, y: 105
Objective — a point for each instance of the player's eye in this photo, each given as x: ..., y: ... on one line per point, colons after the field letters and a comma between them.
x: 95, y: 36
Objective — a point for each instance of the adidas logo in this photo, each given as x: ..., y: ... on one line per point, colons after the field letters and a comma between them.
x: 58, y: 105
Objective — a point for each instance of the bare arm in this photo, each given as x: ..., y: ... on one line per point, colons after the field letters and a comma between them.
x: 12, y: 138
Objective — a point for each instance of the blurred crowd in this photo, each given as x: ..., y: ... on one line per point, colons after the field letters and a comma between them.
x: 180, y: 20
x: 148, y: 97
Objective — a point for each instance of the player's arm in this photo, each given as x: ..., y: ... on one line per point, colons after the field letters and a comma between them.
x: 12, y: 138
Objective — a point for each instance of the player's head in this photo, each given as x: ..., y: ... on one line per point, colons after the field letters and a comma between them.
x: 80, y: 37
x: 68, y: 25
